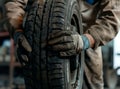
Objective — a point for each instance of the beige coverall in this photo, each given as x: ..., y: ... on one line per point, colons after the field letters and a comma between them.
x: 101, y: 20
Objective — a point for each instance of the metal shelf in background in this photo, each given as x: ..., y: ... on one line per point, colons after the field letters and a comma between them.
x: 4, y: 34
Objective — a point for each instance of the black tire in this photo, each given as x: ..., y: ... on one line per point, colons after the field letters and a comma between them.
x: 46, y: 70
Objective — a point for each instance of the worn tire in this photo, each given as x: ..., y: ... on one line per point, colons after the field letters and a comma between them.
x: 45, y: 69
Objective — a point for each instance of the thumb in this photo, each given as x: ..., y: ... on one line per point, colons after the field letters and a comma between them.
x: 24, y: 43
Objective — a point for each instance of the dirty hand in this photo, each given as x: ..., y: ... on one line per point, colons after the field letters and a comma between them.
x: 22, y: 47
x: 67, y: 42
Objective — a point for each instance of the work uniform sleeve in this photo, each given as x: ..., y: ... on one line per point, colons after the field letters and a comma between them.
x: 108, y: 23
x: 15, y: 12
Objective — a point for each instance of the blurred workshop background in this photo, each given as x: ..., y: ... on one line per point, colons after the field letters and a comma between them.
x: 11, y: 72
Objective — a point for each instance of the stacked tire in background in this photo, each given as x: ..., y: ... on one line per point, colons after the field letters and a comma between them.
x: 45, y: 69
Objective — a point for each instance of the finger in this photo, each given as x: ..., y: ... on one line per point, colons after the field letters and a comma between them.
x: 63, y: 47
x: 60, y: 33
x: 62, y: 39
x: 68, y: 53
x: 24, y: 57
x: 25, y: 43
x: 73, y: 28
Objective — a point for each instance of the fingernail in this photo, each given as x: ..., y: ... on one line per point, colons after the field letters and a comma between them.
x: 25, y: 58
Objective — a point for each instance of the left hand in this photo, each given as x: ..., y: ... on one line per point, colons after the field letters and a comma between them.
x: 22, y: 47
x: 66, y: 42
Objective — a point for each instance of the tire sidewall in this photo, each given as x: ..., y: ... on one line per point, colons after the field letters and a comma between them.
x: 72, y: 7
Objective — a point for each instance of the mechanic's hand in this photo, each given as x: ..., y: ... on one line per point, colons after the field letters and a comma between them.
x: 67, y: 42
x: 22, y: 47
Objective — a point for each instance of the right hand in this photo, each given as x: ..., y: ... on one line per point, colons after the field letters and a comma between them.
x: 66, y: 42
x: 22, y: 47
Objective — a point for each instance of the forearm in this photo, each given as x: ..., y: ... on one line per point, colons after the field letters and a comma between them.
x: 15, y: 12
x: 107, y: 25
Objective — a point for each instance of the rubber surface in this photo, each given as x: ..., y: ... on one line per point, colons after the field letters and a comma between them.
x: 46, y: 70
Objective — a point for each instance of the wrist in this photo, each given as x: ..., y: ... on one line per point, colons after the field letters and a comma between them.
x: 88, y: 41
x: 17, y: 33
x: 18, y: 30
x: 91, y: 40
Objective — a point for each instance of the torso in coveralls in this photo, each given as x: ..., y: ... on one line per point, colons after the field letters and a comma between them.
x: 93, y: 63
x: 100, y: 18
